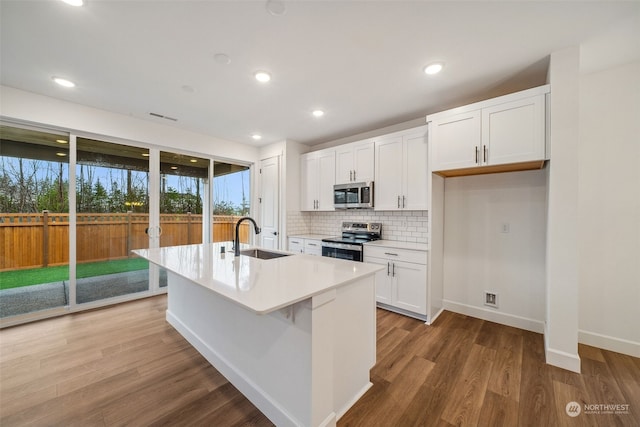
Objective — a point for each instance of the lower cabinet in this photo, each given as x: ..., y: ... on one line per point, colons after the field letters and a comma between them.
x: 305, y: 246
x: 403, y: 282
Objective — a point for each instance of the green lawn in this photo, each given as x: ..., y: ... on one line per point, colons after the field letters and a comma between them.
x: 35, y: 276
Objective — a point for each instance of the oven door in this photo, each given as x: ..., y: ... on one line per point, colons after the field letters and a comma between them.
x: 342, y: 251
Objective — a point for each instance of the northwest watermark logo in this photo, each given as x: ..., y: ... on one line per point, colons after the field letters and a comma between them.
x: 573, y: 409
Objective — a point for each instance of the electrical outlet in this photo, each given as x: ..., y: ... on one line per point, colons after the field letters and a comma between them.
x: 491, y: 299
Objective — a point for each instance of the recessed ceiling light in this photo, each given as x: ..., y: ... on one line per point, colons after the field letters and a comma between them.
x: 318, y: 113
x: 174, y: 167
x: 276, y: 7
x: 63, y: 82
x: 222, y: 58
x: 61, y: 141
x: 434, y: 68
x: 194, y: 160
x: 262, y: 76
x: 61, y: 154
x: 256, y: 137
x: 145, y: 154
x: 74, y: 2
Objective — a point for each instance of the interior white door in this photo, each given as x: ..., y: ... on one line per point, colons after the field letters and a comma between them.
x: 269, y: 202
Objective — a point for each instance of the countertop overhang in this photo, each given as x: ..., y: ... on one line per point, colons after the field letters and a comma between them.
x: 262, y: 286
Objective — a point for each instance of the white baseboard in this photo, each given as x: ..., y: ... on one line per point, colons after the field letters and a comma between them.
x: 495, y: 316
x: 435, y: 316
x: 610, y: 343
x: 561, y: 359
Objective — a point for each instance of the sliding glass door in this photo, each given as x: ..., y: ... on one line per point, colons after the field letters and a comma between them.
x: 112, y: 205
x: 34, y: 220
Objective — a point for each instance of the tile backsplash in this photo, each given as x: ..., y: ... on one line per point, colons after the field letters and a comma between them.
x: 405, y: 226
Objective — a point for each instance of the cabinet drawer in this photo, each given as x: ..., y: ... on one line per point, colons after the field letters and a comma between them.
x: 312, y: 247
x: 404, y: 255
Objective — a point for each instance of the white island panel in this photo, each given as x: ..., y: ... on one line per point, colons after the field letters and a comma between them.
x: 303, y: 356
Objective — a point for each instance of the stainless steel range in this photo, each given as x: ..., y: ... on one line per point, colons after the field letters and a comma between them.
x: 349, y: 245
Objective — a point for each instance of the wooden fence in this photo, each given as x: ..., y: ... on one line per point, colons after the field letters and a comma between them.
x: 42, y: 239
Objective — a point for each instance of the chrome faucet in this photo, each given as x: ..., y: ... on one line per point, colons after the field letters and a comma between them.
x: 236, y: 242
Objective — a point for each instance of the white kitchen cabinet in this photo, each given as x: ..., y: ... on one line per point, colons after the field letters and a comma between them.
x: 355, y: 162
x: 313, y: 247
x: 402, y: 285
x: 318, y: 177
x: 296, y: 245
x: 402, y: 172
x: 304, y: 245
x: 501, y: 134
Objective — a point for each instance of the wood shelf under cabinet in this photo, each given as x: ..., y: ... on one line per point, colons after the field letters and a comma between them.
x: 511, y: 167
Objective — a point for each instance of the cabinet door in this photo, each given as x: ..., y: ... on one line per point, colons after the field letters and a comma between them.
x: 514, y: 132
x: 363, y: 161
x: 309, y: 182
x: 344, y: 164
x: 296, y: 245
x: 410, y: 286
x: 416, y: 172
x: 388, y: 182
x: 383, y: 280
x: 456, y: 141
x: 326, y: 176
x: 313, y: 247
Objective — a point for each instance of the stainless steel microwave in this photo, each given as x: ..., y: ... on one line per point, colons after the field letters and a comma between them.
x: 356, y: 195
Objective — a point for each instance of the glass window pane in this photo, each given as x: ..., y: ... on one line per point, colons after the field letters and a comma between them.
x: 34, y: 220
x: 231, y: 200
x: 112, y: 203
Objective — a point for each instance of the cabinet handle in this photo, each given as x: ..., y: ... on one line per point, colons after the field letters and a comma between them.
x: 350, y: 176
x: 354, y: 175
x: 312, y: 244
x: 393, y: 271
x: 484, y: 149
x: 403, y: 200
x: 398, y: 202
x: 387, y: 268
x: 390, y: 253
x: 477, y: 153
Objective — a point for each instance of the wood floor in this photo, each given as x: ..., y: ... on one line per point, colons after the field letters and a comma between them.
x: 124, y: 365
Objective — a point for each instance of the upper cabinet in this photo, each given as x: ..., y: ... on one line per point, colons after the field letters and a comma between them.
x: 318, y: 169
x: 402, y: 172
x: 354, y: 162
x: 501, y: 134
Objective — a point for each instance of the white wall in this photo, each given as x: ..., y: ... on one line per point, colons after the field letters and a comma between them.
x: 609, y: 209
x: 29, y: 107
x: 479, y: 255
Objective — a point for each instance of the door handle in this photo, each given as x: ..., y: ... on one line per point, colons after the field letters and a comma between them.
x: 275, y: 233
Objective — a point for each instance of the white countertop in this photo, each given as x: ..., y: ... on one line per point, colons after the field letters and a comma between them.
x: 262, y: 286
x: 311, y: 236
x: 399, y: 245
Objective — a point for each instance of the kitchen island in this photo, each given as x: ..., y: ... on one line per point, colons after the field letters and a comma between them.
x: 295, y: 334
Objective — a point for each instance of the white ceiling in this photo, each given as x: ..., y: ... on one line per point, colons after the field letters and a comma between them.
x: 359, y: 61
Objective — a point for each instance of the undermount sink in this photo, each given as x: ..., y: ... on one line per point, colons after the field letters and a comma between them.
x: 262, y: 254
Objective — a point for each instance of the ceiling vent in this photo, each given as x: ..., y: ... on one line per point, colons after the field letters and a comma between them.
x: 160, y: 116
